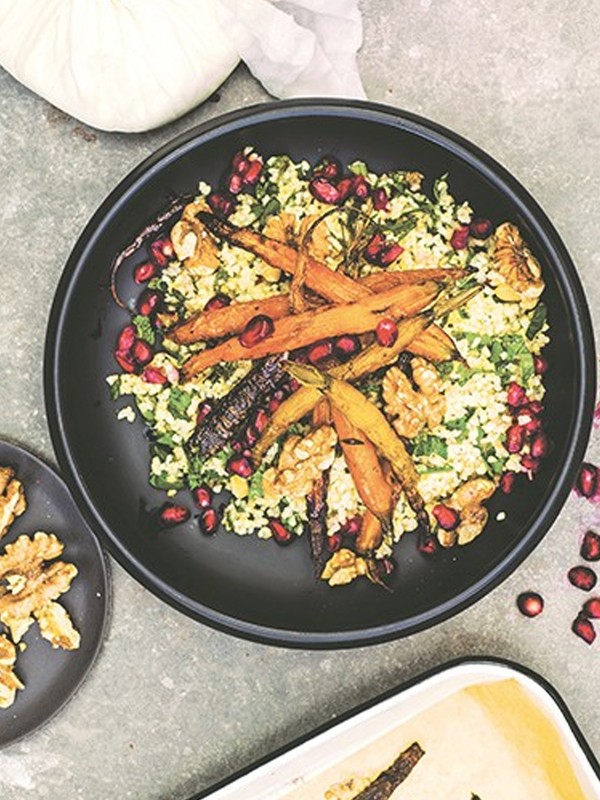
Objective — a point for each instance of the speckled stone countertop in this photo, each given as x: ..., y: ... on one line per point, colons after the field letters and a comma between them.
x: 172, y: 706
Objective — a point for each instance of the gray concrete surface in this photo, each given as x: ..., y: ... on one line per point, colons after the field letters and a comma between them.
x: 172, y: 706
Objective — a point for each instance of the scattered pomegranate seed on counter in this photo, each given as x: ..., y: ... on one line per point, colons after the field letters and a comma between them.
x: 587, y: 480
x: 590, y: 546
x: 591, y: 608
x: 280, y: 532
x: 172, y: 514
x: 386, y: 332
x: 583, y: 578
x: 530, y: 604
x: 583, y: 628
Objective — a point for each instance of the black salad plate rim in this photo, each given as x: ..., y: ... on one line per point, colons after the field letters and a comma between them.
x: 488, y: 170
x: 55, y: 675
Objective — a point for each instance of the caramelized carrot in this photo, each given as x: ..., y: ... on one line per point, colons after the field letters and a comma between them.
x: 299, y: 330
x: 364, y: 465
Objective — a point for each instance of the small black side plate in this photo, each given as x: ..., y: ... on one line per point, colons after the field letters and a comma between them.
x: 51, y: 676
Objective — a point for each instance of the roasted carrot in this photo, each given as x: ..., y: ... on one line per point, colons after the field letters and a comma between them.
x: 370, y: 535
x: 365, y: 415
x: 434, y: 344
x: 364, y: 465
x: 303, y: 329
x: 302, y: 401
x: 219, y: 322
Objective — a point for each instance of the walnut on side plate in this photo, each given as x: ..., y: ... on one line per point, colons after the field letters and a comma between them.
x: 12, y: 499
x: 29, y: 587
x: 9, y: 682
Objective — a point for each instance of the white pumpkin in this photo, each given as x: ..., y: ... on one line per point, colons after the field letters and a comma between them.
x: 125, y: 65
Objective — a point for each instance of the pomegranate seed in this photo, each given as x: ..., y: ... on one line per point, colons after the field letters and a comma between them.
x: 235, y: 184
x: 319, y: 352
x: 352, y: 526
x: 221, y: 203
x: 530, y: 464
x: 346, y: 346
x: 540, y: 365
x: 251, y: 436
x: 162, y: 250
x: 591, y: 608
x: 274, y: 404
x: 590, y: 546
x: 360, y: 187
x: 202, y: 496
x: 515, y: 438
x: 204, y: 410
x: 237, y: 447
x: 144, y: 272
x: 531, y: 424
x: 534, y: 407
x: 480, y: 228
x: 171, y: 514
x: 587, y: 480
x: 252, y: 174
x: 124, y: 360
x: 380, y: 200
x: 154, y: 375
x: 126, y: 338
x: 324, y: 191
x: 530, y: 604
x: 328, y: 167
x: 540, y: 446
x: 583, y: 628
x: 386, y: 332
x: 261, y: 420
x: 582, y: 578
x: 344, y: 188
x: 217, y: 301
x: 256, y: 330
x: 374, y: 247
x: 148, y: 302
x: 447, y: 518
x: 240, y: 163
x: 334, y: 542
x: 460, y: 237
x: 240, y: 466
x: 141, y: 352
x: 208, y: 521
x: 280, y: 532
x: 515, y: 395
x: 293, y: 385
x: 507, y: 482
x: 427, y: 545
x: 389, y: 254
x: 389, y: 565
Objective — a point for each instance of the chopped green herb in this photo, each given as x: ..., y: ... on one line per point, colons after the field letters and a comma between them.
x: 179, y: 402
x: 538, y: 318
x: 430, y: 446
x: 115, y: 389
x: 144, y: 329
x: 163, y: 481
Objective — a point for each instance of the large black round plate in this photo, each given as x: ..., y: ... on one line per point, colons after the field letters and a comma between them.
x: 52, y: 676
x: 244, y: 585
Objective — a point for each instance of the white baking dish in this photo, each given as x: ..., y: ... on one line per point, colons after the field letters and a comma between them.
x: 367, y: 740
